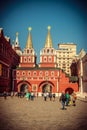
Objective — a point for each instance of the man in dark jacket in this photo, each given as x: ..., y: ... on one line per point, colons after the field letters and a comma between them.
x: 63, y: 99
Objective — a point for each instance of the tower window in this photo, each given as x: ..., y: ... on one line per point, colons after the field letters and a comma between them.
x: 52, y: 73
x: 25, y: 59
x: 29, y: 59
x: 34, y: 73
x: 47, y: 50
x: 52, y: 51
x: 23, y: 73
x: 45, y: 59
x: 44, y: 51
x: 27, y: 51
x: 46, y: 73
x: 29, y: 73
x: 50, y: 59
x: 40, y: 73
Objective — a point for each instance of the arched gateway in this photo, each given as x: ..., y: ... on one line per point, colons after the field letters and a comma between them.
x: 46, y: 87
x: 70, y: 90
x: 24, y: 86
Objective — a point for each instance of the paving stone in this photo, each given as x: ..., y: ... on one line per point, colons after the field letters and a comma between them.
x: 20, y: 114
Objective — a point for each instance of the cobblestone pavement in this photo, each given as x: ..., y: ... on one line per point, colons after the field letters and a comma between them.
x: 20, y: 114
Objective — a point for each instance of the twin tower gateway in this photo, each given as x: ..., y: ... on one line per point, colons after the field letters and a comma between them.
x: 46, y: 76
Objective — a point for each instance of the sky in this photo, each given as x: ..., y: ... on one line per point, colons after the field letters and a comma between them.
x: 67, y: 18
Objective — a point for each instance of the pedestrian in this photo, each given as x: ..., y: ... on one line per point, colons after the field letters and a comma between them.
x: 70, y: 100
x: 53, y: 96
x: 67, y: 98
x: 45, y: 96
x: 63, y: 99
x: 74, y: 97
x: 5, y: 95
x: 50, y: 96
x: 32, y: 95
x: 27, y: 95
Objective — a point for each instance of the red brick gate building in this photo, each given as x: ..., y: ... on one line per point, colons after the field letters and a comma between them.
x: 8, y: 61
x: 45, y: 76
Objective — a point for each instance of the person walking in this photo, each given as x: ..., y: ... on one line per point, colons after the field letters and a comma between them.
x: 54, y: 96
x: 50, y: 96
x: 32, y: 95
x: 67, y: 98
x: 63, y: 99
x: 45, y: 96
x: 74, y: 97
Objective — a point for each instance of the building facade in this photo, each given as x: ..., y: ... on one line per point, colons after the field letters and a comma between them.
x: 65, y: 55
x: 79, y: 68
x: 42, y: 77
x: 84, y: 61
x: 8, y: 61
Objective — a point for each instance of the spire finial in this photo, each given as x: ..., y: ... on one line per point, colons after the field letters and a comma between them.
x: 29, y: 29
x: 29, y: 40
x: 16, y: 40
x: 48, y: 43
x: 17, y: 33
x: 49, y: 27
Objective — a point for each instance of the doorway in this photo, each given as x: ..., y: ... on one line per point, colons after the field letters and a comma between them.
x: 47, y: 88
x: 24, y: 88
x: 70, y: 90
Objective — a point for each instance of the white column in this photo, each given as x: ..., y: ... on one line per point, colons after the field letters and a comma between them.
x: 21, y: 59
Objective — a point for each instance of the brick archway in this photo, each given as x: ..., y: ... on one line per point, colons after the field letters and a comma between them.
x: 24, y: 86
x: 46, y: 86
x: 70, y: 90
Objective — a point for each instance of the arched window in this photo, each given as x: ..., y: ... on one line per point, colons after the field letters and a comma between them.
x: 34, y: 73
x: 25, y: 59
x: 45, y: 59
x: 29, y: 59
x: 46, y: 73
x: 40, y: 73
x: 29, y: 73
x: 52, y: 73
x: 47, y: 50
x: 23, y: 73
x: 50, y: 59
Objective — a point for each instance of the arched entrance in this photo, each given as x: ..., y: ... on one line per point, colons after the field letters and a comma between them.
x: 46, y: 88
x: 70, y: 90
x: 24, y: 88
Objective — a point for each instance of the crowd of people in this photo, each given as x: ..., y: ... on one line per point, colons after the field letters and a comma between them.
x: 66, y: 99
